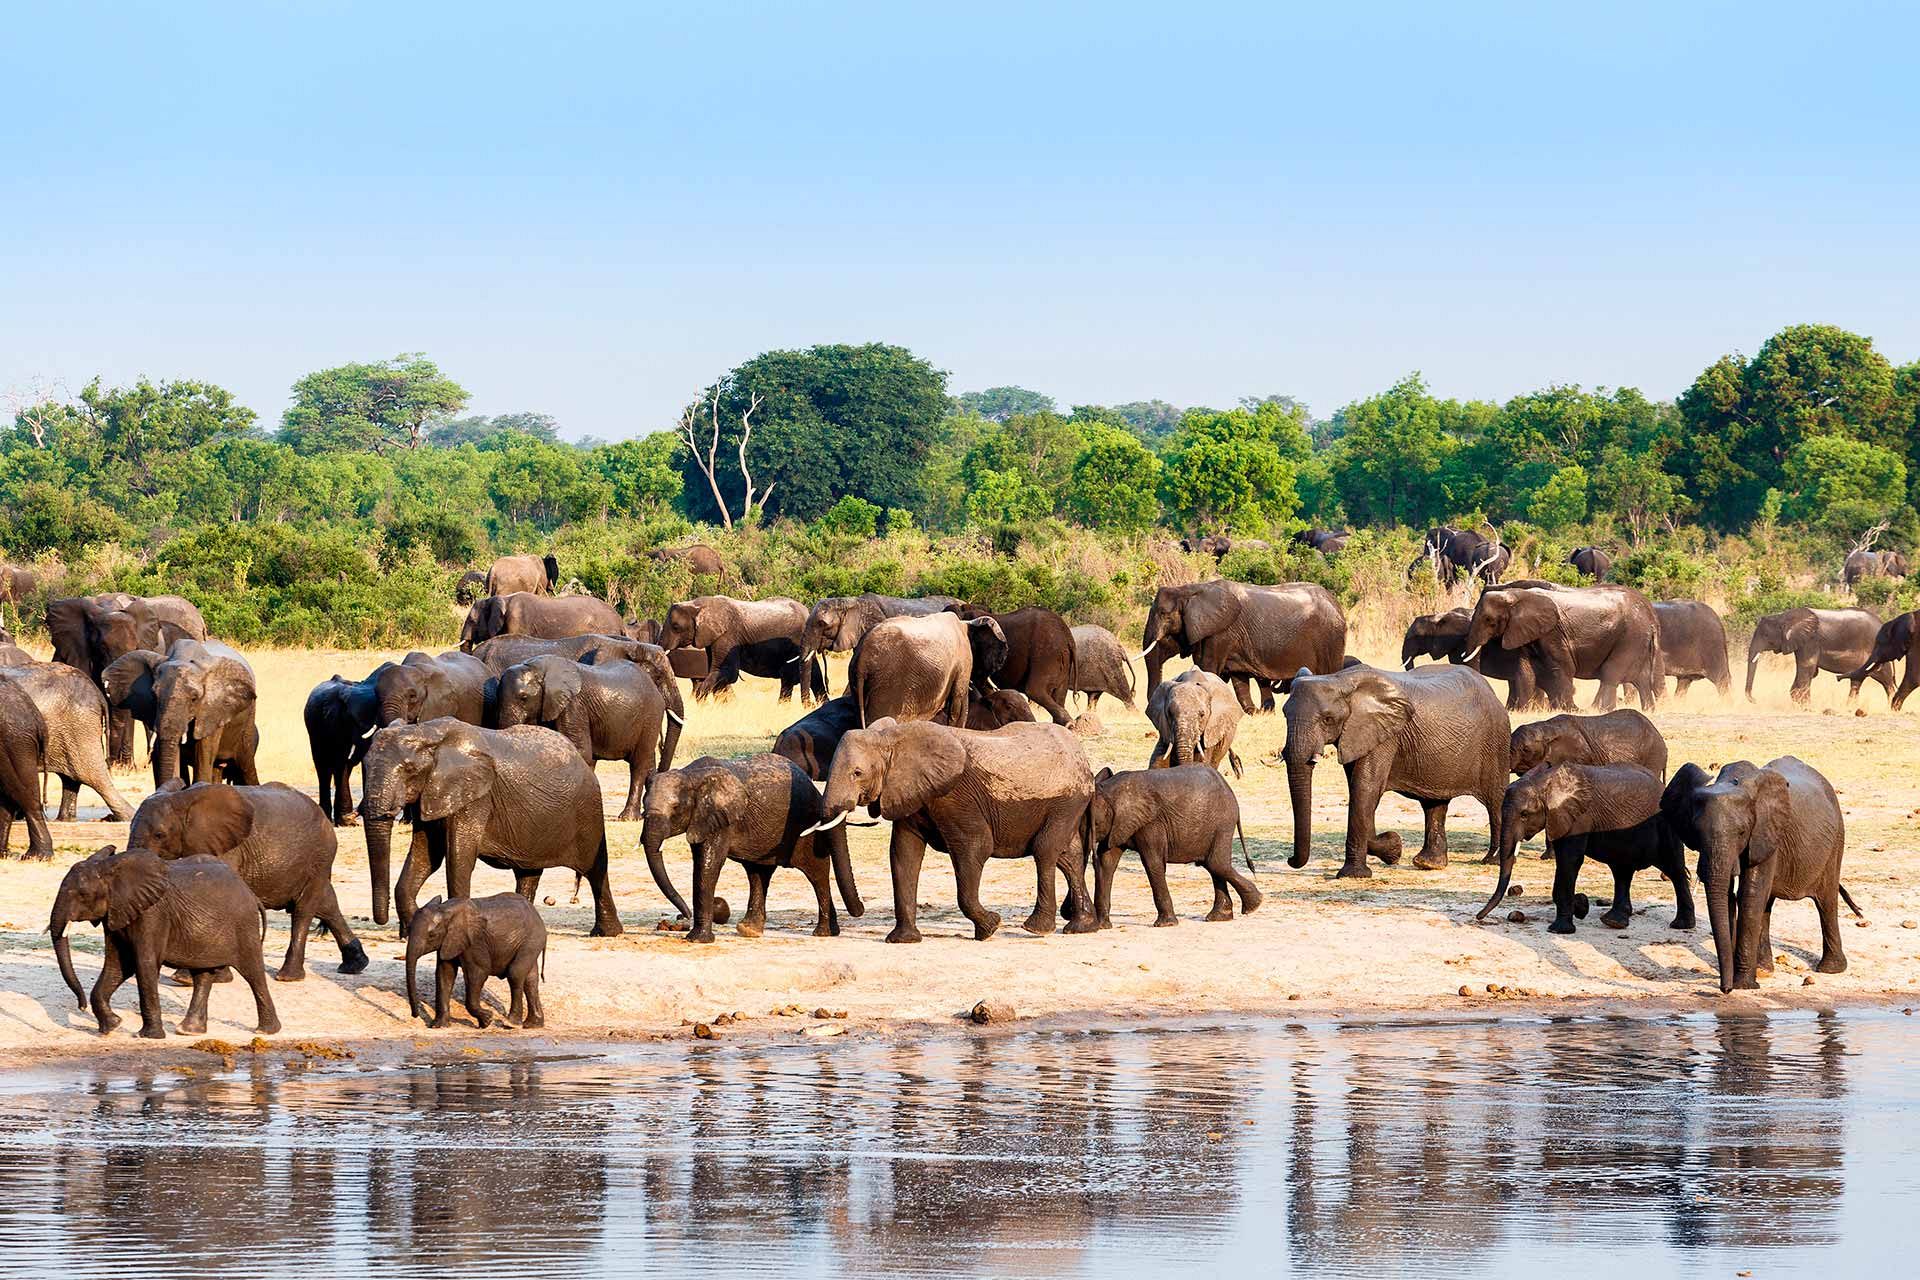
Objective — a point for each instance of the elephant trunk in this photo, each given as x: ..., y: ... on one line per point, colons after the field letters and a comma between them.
x: 63, y: 951
x: 416, y: 945
x: 167, y: 735
x: 654, y: 833
x: 1720, y: 911
x: 1510, y: 837
x: 379, y: 862
x: 843, y: 874
x: 1300, y: 791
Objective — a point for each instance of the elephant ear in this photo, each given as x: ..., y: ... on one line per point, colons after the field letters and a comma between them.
x: 1569, y: 798
x: 1676, y: 802
x: 712, y: 625
x: 1211, y: 610
x: 229, y: 691
x: 139, y: 879
x: 461, y: 777
x: 559, y: 687
x: 1377, y: 713
x: 126, y: 672
x: 720, y: 805
x: 1902, y: 633
x: 928, y: 764
x: 1803, y: 630
x: 1531, y: 618
x: 67, y: 628
x: 1770, y: 815
x: 222, y: 819
x: 458, y: 920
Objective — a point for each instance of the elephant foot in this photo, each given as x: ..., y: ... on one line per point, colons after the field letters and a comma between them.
x: 628, y: 814
x: 348, y: 819
x: 903, y: 933
x: 353, y: 959
x: 441, y: 1022
x: 484, y: 1018
x: 1560, y: 926
x: 1617, y: 919
x: 290, y: 974
x: 1083, y: 924
x: 271, y: 1027
x: 1040, y: 922
x: 606, y: 929
x: 1354, y: 871
x: 700, y: 935
x: 160, y: 1033
x: 751, y: 928
x: 1831, y: 964
x: 533, y: 1024
x: 1492, y: 859
x: 1682, y: 922
x: 1106, y: 923
x: 1219, y: 914
x: 108, y: 1024
x: 988, y: 924
x: 1250, y: 902
x: 826, y: 929
x: 1581, y: 905
x: 1746, y: 982
x: 1425, y: 861
x: 1387, y: 847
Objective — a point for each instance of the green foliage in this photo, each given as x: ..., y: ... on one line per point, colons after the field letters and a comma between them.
x: 1663, y: 574
x: 389, y: 404
x: 1225, y: 471
x: 997, y: 404
x: 1833, y: 478
x: 473, y: 430
x: 850, y: 517
x: 1114, y: 483
x: 1561, y: 501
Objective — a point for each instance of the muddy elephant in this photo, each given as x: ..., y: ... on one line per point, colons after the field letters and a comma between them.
x: 609, y: 711
x: 90, y: 632
x: 1018, y: 792
x: 1832, y: 640
x: 203, y: 699
x: 75, y: 712
x: 1039, y: 661
x: 1429, y: 735
x: 471, y: 586
x: 916, y: 668
x: 341, y: 716
x: 1196, y: 717
x: 1873, y: 564
x: 1609, y: 634
x: 503, y: 652
x: 1326, y: 541
x: 1214, y: 544
x: 1607, y: 812
x: 546, y: 617
x: 699, y: 559
x: 1591, y: 562
x: 18, y: 582
x: 1444, y: 636
x: 1693, y: 645
x: 1894, y: 641
x: 838, y: 623
x: 1242, y: 633
x: 1763, y: 835
x: 500, y: 936
x: 520, y: 799
x: 1186, y: 814
x: 776, y: 659
x: 719, y: 624
x: 762, y: 812
x: 1624, y: 736
x: 12, y: 655
x: 23, y: 750
x: 994, y: 708
x: 279, y: 842
x: 1101, y: 666
x: 535, y: 575
x: 195, y: 914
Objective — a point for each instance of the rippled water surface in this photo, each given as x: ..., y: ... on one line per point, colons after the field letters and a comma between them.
x: 1693, y: 1145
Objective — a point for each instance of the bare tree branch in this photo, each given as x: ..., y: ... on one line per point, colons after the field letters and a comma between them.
x: 746, y: 476
x: 36, y: 406
x: 1866, y: 540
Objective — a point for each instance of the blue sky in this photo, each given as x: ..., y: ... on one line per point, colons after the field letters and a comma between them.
x: 593, y: 209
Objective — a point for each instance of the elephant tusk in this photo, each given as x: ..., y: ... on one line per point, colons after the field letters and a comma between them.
x: 796, y: 658
x: 826, y: 825
x: 676, y: 719
x: 1141, y: 656
x: 371, y: 730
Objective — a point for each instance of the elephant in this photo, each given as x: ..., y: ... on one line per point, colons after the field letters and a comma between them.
x: 1018, y: 792
x: 534, y: 575
x: 1326, y: 541
x: 699, y: 558
x: 776, y: 659
x: 1451, y: 552
x: 1196, y: 717
x: 810, y: 741
x: 75, y: 713
x: 609, y: 711
x: 1039, y: 661
x: 279, y: 842
x: 718, y: 624
x: 1618, y: 737
x: 90, y: 632
x: 1839, y: 641
x: 521, y: 799
x: 1185, y: 814
x: 17, y: 583
x: 764, y: 813
x: 1873, y: 564
x: 837, y: 623
x: 1591, y: 562
x: 193, y: 914
x: 1778, y: 832
x: 1608, y: 812
x: 202, y: 707
x: 916, y: 668
x: 1429, y: 735
x: 1693, y: 645
x: 470, y: 587
x: 547, y: 617
x: 1240, y: 632
x: 1609, y: 634
x: 1214, y: 544
x: 23, y: 752
x: 1444, y: 635
x: 988, y: 711
x: 1893, y: 641
x: 501, y: 936
x: 1100, y: 666
x: 12, y: 655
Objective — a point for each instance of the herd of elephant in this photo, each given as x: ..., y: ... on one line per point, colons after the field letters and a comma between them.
x: 487, y: 752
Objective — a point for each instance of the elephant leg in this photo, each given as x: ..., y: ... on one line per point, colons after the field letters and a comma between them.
x: 967, y: 867
x: 1753, y: 937
x: 1433, y: 843
x: 1366, y: 779
x: 1104, y: 872
x: 146, y: 976
x: 1805, y: 667
x: 254, y: 970
x: 113, y: 975
x: 344, y: 813
x: 1884, y: 675
x: 1093, y: 699
x: 815, y: 868
x: 1266, y: 697
x: 516, y: 995
x: 1153, y: 857
x: 1620, y: 914
x: 442, y: 991
x: 639, y: 769
x: 759, y: 878
x: 69, y: 799
x: 1062, y: 835
x: 707, y: 861
x: 1833, y: 956
x: 413, y: 873
x: 1046, y: 903
x: 530, y: 984
x: 1241, y: 692
x: 195, y: 1021
x: 462, y: 852
x: 1674, y: 866
x: 325, y: 906
x: 527, y: 884
x: 1250, y: 895
x: 606, y: 916
x: 293, y: 967
x: 476, y: 992
x: 1567, y: 854
x: 905, y: 854
x: 1909, y: 681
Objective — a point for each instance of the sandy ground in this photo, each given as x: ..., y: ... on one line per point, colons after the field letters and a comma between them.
x: 1402, y: 941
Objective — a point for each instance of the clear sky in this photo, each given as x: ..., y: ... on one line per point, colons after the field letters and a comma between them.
x: 592, y: 209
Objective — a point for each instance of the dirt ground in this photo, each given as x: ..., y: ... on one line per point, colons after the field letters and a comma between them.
x: 1405, y: 940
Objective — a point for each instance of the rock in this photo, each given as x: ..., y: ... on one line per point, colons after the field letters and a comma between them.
x: 1516, y: 917
x: 701, y: 1031
x: 1807, y: 981
x: 550, y: 901
x: 823, y: 1029
x: 1516, y: 891
x: 1087, y: 725
x: 1910, y: 924
x: 988, y: 1011
x: 1861, y: 924
x: 1861, y: 712
x: 1465, y: 990
x: 821, y: 1013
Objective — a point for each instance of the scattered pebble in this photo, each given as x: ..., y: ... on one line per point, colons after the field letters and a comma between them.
x: 987, y: 1011
x: 701, y: 1031
x: 1516, y: 891
x: 1910, y: 924
x: 1807, y: 981
x: 1862, y: 924
x: 550, y: 900
x: 1516, y: 917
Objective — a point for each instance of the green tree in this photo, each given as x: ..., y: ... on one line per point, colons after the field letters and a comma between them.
x: 642, y: 473
x: 1392, y: 453
x: 1561, y: 501
x: 1006, y: 497
x: 1631, y: 484
x: 1824, y: 471
x: 1039, y: 447
x: 1225, y: 471
x: 1115, y: 482
x: 377, y: 407
x: 478, y: 427
x: 997, y: 404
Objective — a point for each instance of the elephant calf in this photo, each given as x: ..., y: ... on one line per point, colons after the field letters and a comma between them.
x: 1186, y: 814
x: 1607, y: 812
x: 1196, y: 716
x: 1618, y: 737
x: 1100, y: 666
x: 497, y: 937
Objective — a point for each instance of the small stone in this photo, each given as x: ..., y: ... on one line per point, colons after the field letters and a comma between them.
x: 1214, y: 1135
x: 1146, y: 969
x: 701, y: 1031
x: 1807, y: 981
x: 987, y: 1011
x: 1293, y: 996
x: 821, y: 1013
x: 1861, y: 712
x: 1465, y: 990
x: 550, y: 900
x: 823, y: 1029
x: 1516, y: 917
x: 1910, y: 924
x: 1516, y: 891
x: 1862, y: 924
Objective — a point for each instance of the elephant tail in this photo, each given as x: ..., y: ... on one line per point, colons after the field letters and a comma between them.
x: 1241, y: 830
x: 1851, y: 904
x: 263, y: 923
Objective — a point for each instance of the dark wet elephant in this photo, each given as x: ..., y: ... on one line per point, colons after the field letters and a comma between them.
x: 1185, y: 815
x: 608, y: 711
x: 717, y: 625
x: 1592, y: 562
x: 1834, y: 640
x: 1039, y: 660
x: 1429, y: 735
x: 203, y: 701
x: 546, y: 617
x: 776, y: 659
x: 501, y: 936
x: 535, y: 575
x: 1444, y: 636
x: 76, y: 713
x: 1451, y: 554
x: 1693, y: 645
x: 1242, y: 633
x: 1608, y: 634
x: 1894, y: 641
x: 90, y: 632
x: 810, y: 741
x: 23, y: 751
x: 342, y: 716
x: 1618, y: 737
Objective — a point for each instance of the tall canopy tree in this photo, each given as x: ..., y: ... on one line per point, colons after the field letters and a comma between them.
x: 380, y: 407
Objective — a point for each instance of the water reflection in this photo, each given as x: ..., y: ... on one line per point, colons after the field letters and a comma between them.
x: 1471, y: 1148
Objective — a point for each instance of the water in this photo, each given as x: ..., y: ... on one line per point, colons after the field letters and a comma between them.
x: 1687, y: 1145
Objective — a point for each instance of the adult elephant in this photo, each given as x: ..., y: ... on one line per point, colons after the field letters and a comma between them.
x: 90, y: 632
x: 471, y: 586
x: 203, y: 697
x: 1101, y: 666
x: 1429, y: 735
x: 919, y: 668
x: 535, y: 575
x: 1452, y: 552
x: 23, y: 748
x: 521, y: 799
x: 1892, y: 642
x: 12, y: 655
x: 276, y: 838
x: 1839, y: 641
x: 776, y: 659
x: 699, y: 558
x: 1443, y: 636
x: 17, y: 583
x: 1039, y: 660
x: 717, y: 625
x: 510, y: 651
x: 1241, y: 632
x: 341, y: 716
x: 1019, y: 792
x: 837, y: 624
x: 1214, y: 544
x: 1591, y: 561
x: 1693, y: 645
x: 75, y: 713
x: 609, y: 711
x: 546, y: 617
x: 1326, y: 541
x: 1608, y: 633
x: 1873, y: 564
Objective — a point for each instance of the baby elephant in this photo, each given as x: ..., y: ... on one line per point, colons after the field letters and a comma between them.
x: 1197, y: 716
x: 1618, y: 737
x: 1607, y: 812
x: 497, y: 937
x: 1187, y: 814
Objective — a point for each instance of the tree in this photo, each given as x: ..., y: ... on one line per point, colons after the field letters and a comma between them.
x: 1561, y: 501
x: 1155, y: 420
x: 1392, y: 452
x: 375, y: 407
x: 1006, y: 497
x: 1631, y: 484
x: 640, y: 472
x: 1825, y: 471
x: 703, y: 446
x: 1224, y: 471
x: 474, y: 429
x: 1040, y: 447
x: 997, y: 404
x: 1115, y: 482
